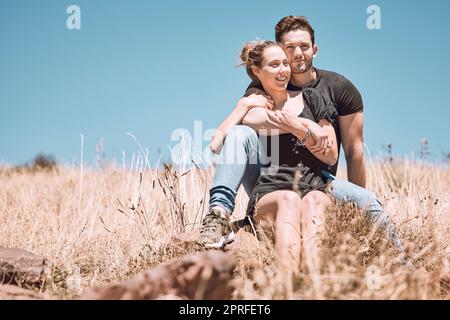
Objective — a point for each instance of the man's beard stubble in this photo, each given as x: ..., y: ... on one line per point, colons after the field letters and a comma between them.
x: 308, y: 66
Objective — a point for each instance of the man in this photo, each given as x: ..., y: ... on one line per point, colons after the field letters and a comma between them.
x: 296, y: 36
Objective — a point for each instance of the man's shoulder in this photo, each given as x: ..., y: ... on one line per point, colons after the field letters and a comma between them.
x: 330, y: 75
x: 336, y: 81
x: 314, y: 97
x: 344, y: 93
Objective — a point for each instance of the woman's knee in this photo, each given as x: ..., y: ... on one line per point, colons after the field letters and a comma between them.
x: 289, y: 206
x: 289, y: 198
x: 314, y: 204
x: 315, y: 199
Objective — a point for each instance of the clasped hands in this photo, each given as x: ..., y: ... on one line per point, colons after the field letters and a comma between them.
x: 289, y: 122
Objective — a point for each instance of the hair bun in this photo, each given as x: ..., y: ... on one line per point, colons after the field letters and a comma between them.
x: 248, y: 47
x: 245, y: 52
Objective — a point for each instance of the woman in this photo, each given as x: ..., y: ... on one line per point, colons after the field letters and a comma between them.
x: 289, y: 198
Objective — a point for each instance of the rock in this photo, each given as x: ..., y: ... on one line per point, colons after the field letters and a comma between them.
x: 20, y: 267
x: 10, y: 292
x: 205, y: 275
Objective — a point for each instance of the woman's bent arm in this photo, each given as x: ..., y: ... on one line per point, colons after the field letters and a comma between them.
x: 329, y: 157
x: 234, y: 118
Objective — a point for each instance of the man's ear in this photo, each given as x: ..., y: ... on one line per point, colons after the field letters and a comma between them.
x: 315, y: 49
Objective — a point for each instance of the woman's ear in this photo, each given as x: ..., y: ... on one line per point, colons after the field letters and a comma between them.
x: 256, y: 71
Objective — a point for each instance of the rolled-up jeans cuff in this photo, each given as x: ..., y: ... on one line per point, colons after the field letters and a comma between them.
x: 222, y: 196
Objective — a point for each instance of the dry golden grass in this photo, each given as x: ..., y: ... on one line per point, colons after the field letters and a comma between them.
x: 108, y: 224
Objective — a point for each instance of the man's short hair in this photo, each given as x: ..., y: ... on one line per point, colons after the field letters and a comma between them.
x: 293, y: 23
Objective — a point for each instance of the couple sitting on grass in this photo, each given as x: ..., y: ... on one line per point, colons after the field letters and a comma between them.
x: 282, y: 143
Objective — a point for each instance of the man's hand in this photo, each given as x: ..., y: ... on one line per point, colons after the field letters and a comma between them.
x: 257, y: 101
x: 282, y: 119
x: 323, y: 141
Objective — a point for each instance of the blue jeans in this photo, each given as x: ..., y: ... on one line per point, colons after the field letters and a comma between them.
x: 241, y: 161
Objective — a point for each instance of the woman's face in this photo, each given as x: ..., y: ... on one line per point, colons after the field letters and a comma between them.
x: 274, y: 72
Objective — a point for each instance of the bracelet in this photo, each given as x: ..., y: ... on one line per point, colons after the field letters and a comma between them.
x: 305, y: 139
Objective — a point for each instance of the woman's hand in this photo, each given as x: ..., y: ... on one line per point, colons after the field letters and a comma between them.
x: 217, y: 142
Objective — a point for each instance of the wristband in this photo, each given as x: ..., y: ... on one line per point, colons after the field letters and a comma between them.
x: 305, y: 139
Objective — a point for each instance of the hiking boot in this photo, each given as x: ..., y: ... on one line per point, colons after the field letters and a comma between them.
x: 216, y: 230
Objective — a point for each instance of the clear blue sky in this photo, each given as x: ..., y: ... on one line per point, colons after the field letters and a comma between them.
x: 150, y: 67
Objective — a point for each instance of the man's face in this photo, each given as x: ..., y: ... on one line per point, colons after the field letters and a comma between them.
x: 300, y: 51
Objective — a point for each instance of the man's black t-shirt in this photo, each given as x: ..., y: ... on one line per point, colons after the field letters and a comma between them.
x: 337, y: 89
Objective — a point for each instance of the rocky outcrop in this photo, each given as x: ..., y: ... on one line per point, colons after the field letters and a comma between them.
x: 204, y: 275
x: 22, y: 268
